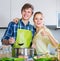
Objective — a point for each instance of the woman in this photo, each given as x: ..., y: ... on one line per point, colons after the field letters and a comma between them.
x: 43, y: 36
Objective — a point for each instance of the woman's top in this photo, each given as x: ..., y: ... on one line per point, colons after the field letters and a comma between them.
x: 41, y: 41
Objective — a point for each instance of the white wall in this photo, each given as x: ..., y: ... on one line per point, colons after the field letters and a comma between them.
x: 4, y: 13
x: 58, y: 5
x: 10, y: 9
x: 48, y: 7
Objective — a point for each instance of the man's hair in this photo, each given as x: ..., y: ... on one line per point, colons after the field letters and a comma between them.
x: 26, y: 6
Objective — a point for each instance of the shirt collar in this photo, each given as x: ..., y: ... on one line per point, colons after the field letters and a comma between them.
x: 23, y: 23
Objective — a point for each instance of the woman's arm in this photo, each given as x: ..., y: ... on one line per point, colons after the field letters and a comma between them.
x: 33, y: 45
x: 52, y: 39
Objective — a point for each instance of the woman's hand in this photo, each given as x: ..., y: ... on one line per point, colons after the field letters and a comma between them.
x: 33, y: 45
x: 16, y: 20
x: 44, y: 33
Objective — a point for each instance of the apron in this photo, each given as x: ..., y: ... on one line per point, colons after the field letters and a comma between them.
x: 23, y: 39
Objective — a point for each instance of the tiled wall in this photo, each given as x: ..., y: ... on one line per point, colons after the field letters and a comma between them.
x: 56, y: 33
x: 2, y: 31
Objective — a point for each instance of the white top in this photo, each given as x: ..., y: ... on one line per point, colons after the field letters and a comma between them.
x: 41, y: 42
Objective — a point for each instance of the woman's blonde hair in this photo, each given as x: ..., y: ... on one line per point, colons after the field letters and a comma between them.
x: 37, y: 13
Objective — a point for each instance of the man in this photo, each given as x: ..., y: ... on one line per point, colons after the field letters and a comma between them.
x: 11, y: 32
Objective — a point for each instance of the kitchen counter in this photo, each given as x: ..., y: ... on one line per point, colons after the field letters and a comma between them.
x: 6, y: 51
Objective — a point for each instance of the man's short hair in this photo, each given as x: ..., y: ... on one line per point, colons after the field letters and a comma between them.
x: 26, y: 6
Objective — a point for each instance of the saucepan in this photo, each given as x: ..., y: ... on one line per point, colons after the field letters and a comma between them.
x: 24, y: 52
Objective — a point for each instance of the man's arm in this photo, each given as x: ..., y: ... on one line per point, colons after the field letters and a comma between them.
x: 8, y: 34
x: 5, y: 42
x: 8, y: 42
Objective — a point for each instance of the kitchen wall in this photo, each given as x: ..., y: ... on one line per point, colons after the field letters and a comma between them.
x: 10, y: 9
x: 56, y: 33
x: 48, y: 7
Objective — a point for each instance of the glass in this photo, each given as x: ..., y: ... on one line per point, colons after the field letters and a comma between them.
x: 5, y: 51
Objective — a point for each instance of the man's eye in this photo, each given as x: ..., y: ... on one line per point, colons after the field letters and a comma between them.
x: 41, y: 19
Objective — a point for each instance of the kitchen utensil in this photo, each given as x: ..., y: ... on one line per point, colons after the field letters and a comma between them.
x: 24, y: 52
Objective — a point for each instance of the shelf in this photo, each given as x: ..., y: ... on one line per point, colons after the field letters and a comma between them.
x: 52, y: 26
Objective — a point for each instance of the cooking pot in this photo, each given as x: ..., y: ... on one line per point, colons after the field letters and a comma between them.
x: 24, y: 52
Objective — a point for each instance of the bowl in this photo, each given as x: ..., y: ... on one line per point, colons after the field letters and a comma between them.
x: 42, y: 59
x: 46, y: 59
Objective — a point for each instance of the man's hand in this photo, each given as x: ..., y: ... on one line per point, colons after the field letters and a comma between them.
x: 16, y: 20
x: 11, y: 40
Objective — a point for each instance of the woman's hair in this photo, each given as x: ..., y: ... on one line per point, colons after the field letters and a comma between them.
x: 26, y: 6
x: 37, y: 13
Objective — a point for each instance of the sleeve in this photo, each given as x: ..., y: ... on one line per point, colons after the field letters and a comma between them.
x: 8, y: 32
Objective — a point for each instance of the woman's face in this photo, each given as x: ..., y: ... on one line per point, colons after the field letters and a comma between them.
x: 38, y: 20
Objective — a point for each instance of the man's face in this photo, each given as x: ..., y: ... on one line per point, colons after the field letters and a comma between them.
x: 26, y: 14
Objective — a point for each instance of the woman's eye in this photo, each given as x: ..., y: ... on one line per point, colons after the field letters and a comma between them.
x: 28, y: 11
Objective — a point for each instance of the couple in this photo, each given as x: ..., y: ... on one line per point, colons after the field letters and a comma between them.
x: 41, y: 35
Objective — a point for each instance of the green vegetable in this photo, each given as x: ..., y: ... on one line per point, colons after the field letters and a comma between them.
x: 7, y: 59
x: 42, y: 59
x: 18, y: 59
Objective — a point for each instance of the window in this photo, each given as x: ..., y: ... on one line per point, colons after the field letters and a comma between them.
x: 58, y: 20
